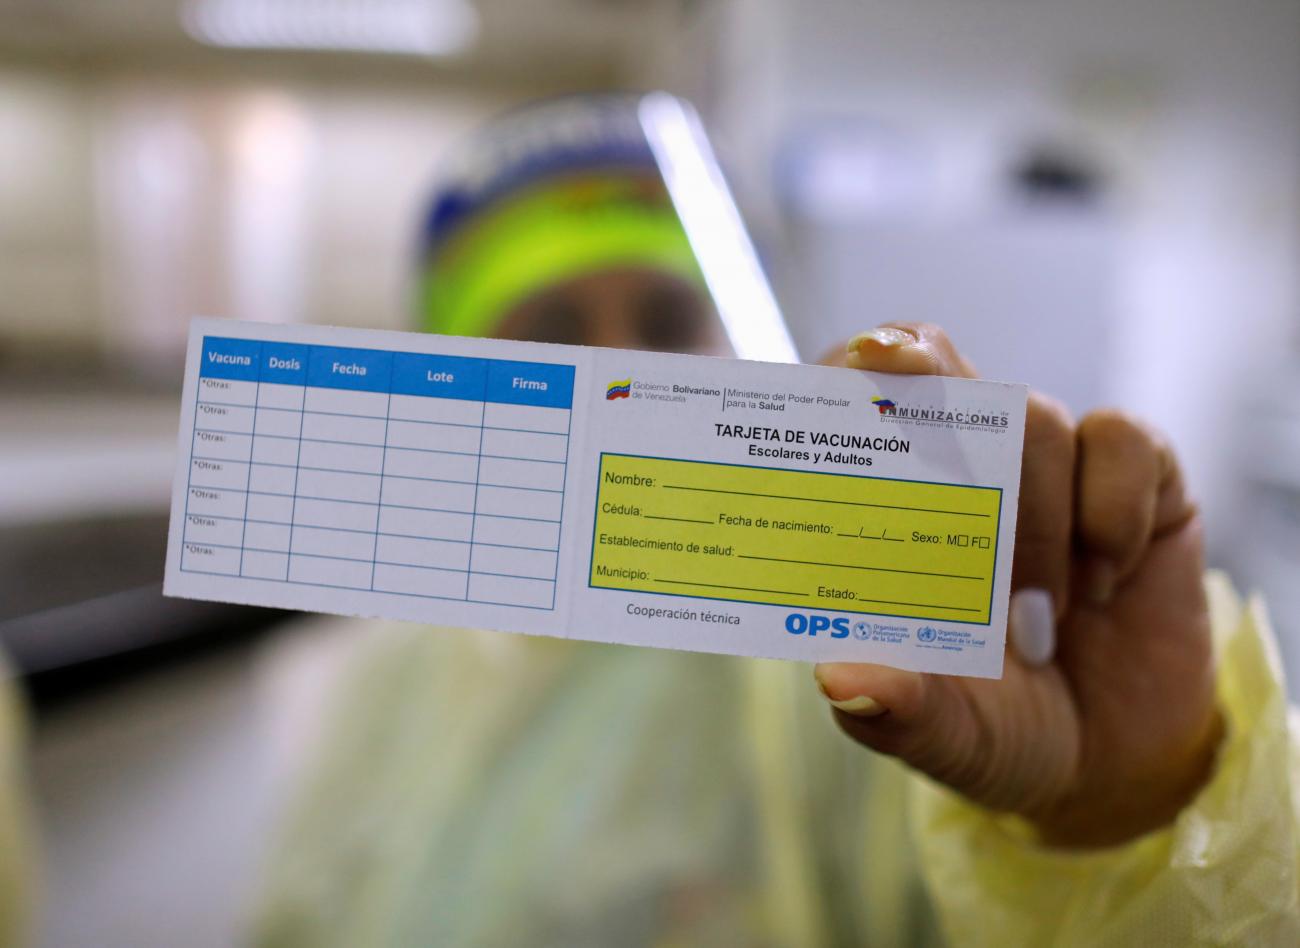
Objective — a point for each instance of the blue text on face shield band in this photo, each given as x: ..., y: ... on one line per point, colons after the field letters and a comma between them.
x: 797, y: 623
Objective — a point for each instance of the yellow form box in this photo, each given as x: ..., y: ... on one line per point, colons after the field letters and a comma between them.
x: 803, y: 539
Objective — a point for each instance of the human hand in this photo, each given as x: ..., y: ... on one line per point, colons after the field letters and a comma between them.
x: 1104, y: 724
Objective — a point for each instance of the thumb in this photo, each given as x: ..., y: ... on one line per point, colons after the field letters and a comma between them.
x: 924, y: 720
x: 1010, y: 745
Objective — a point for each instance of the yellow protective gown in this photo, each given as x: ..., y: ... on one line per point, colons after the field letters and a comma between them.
x: 489, y: 790
x: 18, y: 861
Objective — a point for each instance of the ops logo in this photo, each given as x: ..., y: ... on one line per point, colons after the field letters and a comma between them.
x: 926, y: 633
x: 861, y: 630
x: 797, y: 623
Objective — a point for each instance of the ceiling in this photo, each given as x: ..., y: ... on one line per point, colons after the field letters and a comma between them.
x: 548, y: 39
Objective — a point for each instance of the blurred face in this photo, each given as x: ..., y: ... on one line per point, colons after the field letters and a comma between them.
x: 627, y: 308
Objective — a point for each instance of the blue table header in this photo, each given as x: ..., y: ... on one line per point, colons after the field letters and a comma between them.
x: 234, y: 359
x: 530, y: 383
x: 541, y: 384
x: 439, y: 376
x: 284, y: 363
x: 362, y: 370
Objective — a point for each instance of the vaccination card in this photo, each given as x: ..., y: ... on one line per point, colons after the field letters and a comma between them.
x: 687, y: 502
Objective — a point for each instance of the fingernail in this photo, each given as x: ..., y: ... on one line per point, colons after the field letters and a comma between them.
x: 1033, y: 626
x: 881, y: 336
x: 861, y: 706
x: 1101, y: 581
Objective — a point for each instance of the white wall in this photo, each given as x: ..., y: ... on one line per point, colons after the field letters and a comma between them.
x: 1194, y: 106
x: 128, y: 202
x: 47, y: 272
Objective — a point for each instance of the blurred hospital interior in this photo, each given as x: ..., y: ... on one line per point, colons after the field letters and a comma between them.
x: 1101, y: 200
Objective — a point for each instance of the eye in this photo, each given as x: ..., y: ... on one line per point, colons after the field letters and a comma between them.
x: 671, y: 319
x: 555, y: 319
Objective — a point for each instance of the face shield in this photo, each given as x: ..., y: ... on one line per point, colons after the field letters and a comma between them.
x: 596, y: 220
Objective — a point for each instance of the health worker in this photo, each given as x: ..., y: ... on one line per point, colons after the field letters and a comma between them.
x: 1131, y: 780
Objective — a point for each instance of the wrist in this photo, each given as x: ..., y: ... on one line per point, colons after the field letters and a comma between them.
x: 1140, y: 806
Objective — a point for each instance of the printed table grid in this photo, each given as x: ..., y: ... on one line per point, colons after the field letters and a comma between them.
x: 433, y: 476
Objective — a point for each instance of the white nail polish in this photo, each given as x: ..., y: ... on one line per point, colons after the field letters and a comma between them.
x: 1033, y: 626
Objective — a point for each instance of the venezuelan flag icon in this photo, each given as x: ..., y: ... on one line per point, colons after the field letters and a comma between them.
x: 884, y: 405
x: 618, y: 389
